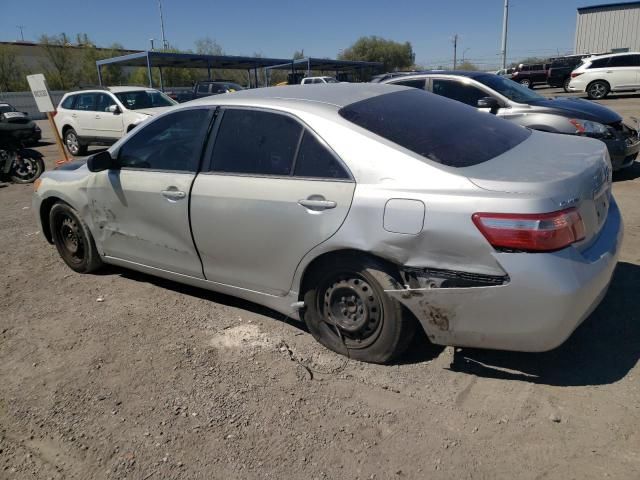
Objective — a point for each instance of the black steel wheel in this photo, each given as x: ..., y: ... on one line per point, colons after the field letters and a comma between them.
x: 73, y: 239
x: 348, y: 311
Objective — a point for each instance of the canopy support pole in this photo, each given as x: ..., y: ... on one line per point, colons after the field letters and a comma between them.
x: 100, y: 75
x: 149, y: 71
x: 161, y: 80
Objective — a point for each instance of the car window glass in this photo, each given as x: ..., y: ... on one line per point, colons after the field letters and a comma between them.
x: 68, y: 102
x: 599, y: 63
x: 104, y: 102
x: 419, y: 83
x: 203, y: 88
x: 431, y: 126
x: 622, y: 61
x: 85, y: 101
x: 316, y: 161
x: 458, y: 91
x: 253, y: 141
x: 172, y: 142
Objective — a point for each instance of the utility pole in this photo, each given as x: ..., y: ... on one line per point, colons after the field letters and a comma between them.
x: 151, y: 40
x: 464, y: 53
x: 165, y: 45
x: 21, y: 27
x: 455, y: 50
x: 505, y: 22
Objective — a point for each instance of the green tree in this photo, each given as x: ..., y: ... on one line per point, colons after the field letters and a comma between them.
x: 60, y: 64
x: 11, y: 70
x: 298, y: 54
x: 394, y: 55
x: 208, y: 46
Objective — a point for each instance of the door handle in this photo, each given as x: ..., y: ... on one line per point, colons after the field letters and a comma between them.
x: 98, y: 116
x: 173, y: 194
x: 317, y: 204
x: 609, y: 71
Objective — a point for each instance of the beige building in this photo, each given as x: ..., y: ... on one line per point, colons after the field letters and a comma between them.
x: 613, y: 27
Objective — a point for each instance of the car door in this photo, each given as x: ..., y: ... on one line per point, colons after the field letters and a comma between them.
x: 622, y: 72
x: 141, y: 211
x: 272, y: 192
x: 107, y: 124
x: 84, y: 114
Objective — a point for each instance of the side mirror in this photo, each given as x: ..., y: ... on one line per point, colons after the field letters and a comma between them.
x: 101, y: 161
x: 115, y: 109
x: 490, y: 103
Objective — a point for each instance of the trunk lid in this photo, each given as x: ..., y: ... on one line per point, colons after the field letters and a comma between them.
x: 570, y: 171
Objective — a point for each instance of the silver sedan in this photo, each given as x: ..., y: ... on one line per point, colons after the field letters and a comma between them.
x: 366, y: 211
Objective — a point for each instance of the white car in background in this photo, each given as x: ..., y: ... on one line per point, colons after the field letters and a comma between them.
x: 315, y: 80
x: 102, y: 116
x: 602, y: 74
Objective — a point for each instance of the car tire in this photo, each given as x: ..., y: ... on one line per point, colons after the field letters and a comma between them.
x: 347, y: 310
x: 565, y: 84
x: 598, y: 90
x: 72, y: 142
x: 73, y: 239
x: 525, y: 82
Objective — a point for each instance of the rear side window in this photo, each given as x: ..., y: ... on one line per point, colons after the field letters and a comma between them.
x: 256, y: 142
x: 68, y: 102
x: 316, y: 161
x: 85, y: 101
x: 599, y: 63
x: 417, y: 83
x: 172, y: 142
x: 436, y: 128
x: 625, y: 61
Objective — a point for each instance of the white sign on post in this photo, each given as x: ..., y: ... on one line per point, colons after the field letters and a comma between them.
x: 40, y: 90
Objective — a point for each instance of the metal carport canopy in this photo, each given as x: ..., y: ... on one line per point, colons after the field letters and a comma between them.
x: 151, y: 59
x: 325, y: 64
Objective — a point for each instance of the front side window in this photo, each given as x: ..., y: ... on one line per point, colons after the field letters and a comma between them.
x: 256, y: 142
x: 139, y: 99
x: 314, y: 160
x: 508, y: 88
x: 104, y: 102
x: 435, y: 128
x: 418, y: 83
x: 85, y: 101
x: 172, y: 142
x: 6, y: 108
x: 459, y: 91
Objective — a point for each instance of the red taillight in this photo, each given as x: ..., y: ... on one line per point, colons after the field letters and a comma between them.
x: 543, y: 232
x: 54, y: 113
x: 575, y: 74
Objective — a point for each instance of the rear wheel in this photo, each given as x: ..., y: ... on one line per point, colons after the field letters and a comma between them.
x: 73, y: 144
x: 27, y: 169
x: 565, y: 85
x: 73, y: 239
x: 348, y: 311
x: 598, y: 90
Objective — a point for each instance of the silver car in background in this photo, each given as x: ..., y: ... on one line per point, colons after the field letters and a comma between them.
x: 365, y: 210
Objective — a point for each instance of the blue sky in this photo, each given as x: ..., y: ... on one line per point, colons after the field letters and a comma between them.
x: 276, y: 28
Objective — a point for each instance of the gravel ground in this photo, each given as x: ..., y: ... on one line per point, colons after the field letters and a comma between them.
x: 121, y: 375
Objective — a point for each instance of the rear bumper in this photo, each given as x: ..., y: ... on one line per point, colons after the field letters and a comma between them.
x: 547, y: 297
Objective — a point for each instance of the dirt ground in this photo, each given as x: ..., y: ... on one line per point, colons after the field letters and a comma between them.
x: 121, y: 375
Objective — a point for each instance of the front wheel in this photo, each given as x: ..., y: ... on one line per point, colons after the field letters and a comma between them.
x: 347, y: 311
x: 26, y: 169
x: 73, y: 239
x: 597, y: 90
x: 525, y: 82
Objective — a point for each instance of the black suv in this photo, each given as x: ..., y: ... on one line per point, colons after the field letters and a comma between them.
x: 559, y: 74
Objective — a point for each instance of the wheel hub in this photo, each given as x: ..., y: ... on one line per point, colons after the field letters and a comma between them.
x: 353, y: 307
x: 69, y: 231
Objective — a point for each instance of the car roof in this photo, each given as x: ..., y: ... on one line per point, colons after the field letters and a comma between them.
x: 110, y: 89
x: 459, y: 73
x: 330, y: 96
x: 619, y: 54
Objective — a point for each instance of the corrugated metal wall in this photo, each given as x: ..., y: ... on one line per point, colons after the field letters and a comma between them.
x: 603, y: 29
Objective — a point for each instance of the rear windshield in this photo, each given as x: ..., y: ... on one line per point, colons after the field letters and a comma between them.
x: 436, y: 128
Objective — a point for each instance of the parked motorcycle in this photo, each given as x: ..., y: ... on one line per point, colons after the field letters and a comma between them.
x: 19, y: 164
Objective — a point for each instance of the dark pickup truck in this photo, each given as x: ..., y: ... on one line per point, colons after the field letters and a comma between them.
x: 529, y: 75
x: 205, y: 88
x: 559, y: 74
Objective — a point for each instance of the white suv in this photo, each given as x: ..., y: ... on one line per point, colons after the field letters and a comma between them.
x: 597, y: 76
x: 315, y: 80
x: 101, y: 117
